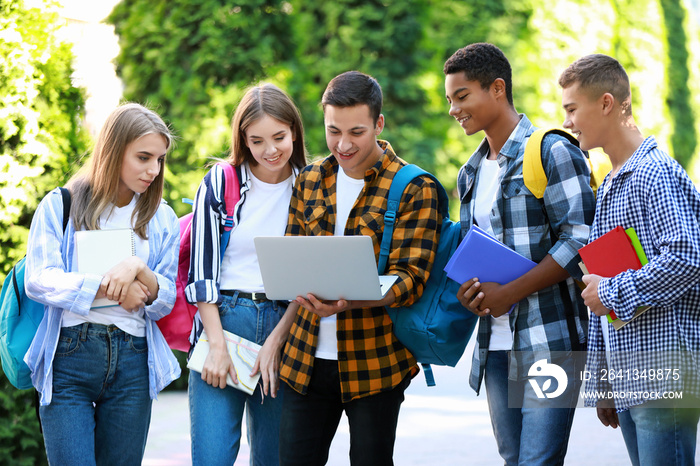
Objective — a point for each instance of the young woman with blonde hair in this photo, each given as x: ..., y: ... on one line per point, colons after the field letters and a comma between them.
x: 98, y: 368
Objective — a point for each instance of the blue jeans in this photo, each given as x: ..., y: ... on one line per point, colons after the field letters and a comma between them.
x: 309, y: 422
x: 532, y: 433
x: 216, y: 414
x: 656, y: 432
x: 101, y: 409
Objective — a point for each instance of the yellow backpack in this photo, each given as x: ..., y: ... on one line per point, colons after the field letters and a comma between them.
x: 533, y: 172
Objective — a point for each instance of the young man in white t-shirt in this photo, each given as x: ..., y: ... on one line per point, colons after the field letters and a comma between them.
x: 343, y: 356
x: 540, y: 315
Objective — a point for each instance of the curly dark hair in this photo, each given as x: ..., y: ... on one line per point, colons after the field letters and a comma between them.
x: 482, y: 62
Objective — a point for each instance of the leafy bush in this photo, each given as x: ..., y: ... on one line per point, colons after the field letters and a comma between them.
x: 40, y: 139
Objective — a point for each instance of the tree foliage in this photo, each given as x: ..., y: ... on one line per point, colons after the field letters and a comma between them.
x: 41, y: 137
x: 684, y: 136
x: 193, y: 60
x: 189, y: 60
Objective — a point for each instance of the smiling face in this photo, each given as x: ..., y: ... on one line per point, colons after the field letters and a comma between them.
x: 143, y: 160
x: 271, y: 143
x: 584, y: 116
x: 351, y: 136
x: 474, y: 107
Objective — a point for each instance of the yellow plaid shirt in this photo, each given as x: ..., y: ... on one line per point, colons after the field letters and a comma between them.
x: 370, y: 358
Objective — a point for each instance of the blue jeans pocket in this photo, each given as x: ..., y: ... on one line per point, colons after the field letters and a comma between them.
x: 138, y: 344
x: 68, y: 343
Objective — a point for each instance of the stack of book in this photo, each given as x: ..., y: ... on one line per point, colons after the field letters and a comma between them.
x: 615, y: 252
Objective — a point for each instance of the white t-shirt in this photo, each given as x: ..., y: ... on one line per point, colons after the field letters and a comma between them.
x: 264, y: 213
x: 346, y: 192
x: 486, y: 189
x: 132, y: 323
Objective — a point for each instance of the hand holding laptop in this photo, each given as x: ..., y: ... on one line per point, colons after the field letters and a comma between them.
x: 331, y: 268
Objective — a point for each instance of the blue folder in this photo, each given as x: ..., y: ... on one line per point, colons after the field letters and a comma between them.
x: 480, y: 255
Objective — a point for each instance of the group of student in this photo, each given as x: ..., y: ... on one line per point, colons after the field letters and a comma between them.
x: 97, y: 370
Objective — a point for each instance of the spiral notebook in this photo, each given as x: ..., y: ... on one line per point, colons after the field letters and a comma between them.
x: 97, y: 251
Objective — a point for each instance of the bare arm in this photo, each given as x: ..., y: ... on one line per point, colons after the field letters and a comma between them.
x: 495, y: 299
x: 218, y: 363
x: 268, y: 360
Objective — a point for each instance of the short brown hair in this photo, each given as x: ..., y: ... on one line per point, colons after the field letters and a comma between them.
x: 354, y: 88
x: 597, y: 74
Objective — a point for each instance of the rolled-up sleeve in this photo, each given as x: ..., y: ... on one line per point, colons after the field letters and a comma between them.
x: 569, y: 203
x: 164, y: 264
x: 205, y: 261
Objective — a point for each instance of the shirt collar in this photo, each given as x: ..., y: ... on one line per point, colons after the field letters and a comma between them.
x: 631, y: 164
x: 513, y: 144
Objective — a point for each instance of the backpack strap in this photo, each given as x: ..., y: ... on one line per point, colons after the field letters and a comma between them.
x: 534, y: 176
x: 403, y: 177
x: 399, y: 183
x: 232, y: 194
x: 65, y: 194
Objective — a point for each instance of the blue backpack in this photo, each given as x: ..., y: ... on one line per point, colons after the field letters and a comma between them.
x: 20, y: 318
x: 436, y: 328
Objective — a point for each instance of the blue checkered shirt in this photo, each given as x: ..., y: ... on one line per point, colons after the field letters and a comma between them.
x: 654, y: 195
x: 558, y: 224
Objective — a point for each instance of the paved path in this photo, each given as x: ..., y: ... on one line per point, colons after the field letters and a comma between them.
x: 443, y: 425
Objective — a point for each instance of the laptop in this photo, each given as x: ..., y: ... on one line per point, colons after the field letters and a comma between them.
x: 329, y: 267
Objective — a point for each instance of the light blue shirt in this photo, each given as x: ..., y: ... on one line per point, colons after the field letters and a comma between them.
x: 49, y: 279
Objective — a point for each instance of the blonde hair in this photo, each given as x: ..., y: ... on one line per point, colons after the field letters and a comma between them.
x: 95, y: 188
x: 258, y: 101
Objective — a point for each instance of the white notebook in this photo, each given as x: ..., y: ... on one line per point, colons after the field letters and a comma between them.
x: 243, y: 354
x: 97, y: 251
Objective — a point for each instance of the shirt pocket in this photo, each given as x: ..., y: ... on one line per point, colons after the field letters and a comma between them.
x: 316, y: 217
x: 525, y: 213
x: 513, y: 187
x: 371, y: 223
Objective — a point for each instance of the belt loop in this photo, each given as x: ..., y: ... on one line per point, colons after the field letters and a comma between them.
x: 83, y: 331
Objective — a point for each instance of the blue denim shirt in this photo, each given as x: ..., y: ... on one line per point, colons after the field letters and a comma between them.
x: 49, y: 279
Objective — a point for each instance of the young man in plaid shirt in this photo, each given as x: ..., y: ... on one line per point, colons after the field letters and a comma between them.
x: 651, y: 359
x: 343, y: 356
x: 539, y: 315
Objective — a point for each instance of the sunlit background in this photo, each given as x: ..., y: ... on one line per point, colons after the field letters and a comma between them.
x: 65, y: 65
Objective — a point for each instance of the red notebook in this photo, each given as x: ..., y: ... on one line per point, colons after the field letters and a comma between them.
x: 611, y: 254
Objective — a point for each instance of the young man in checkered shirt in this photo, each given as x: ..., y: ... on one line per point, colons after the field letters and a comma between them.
x: 656, y: 356
x: 539, y: 316
x: 343, y: 356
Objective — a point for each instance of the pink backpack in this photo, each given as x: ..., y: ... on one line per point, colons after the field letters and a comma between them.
x: 177, y: 325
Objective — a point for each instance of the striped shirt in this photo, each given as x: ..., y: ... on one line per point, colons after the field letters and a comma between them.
x: 370, y: 358
x: 557, y: 225
x: 49, y: 279
x: 207, y: 224
x: 654, y: 195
